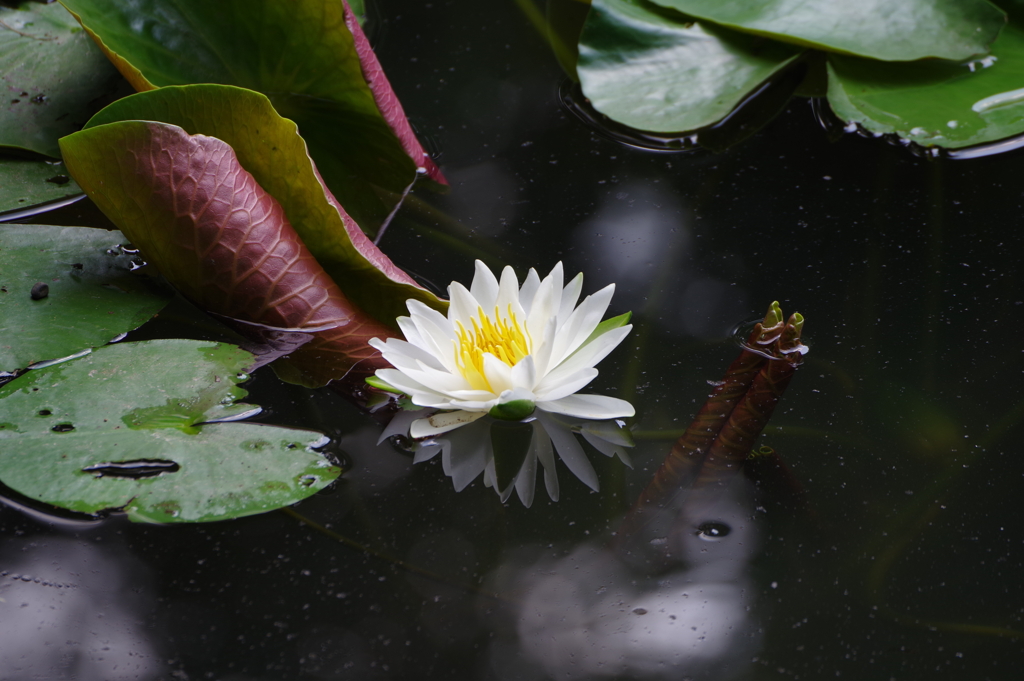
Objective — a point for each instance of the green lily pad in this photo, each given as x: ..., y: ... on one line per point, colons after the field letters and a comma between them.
x: 52, y: 74
x: 25, y: 183
x: 121, y: 429
x: 653, y: 69
x: 880, y: 29
x: 269, y: 147
x: 93, y: 296
x: 935, y: 103
x: 298, y: 53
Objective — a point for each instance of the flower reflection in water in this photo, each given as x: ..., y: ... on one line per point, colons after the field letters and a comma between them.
x: 508, y: 452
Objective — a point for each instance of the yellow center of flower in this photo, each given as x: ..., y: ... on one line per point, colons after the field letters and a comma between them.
x: 505, y: 338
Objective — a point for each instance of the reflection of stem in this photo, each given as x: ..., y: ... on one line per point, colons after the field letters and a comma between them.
x: 408, y: 567
x: 780, y: 429
x: 23, y: 35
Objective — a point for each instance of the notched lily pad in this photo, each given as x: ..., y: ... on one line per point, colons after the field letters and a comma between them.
x: 123, y: 428
x: 880, y: 29
x: 92, y: 295
x: 936, y: 103
x: 654, y: 69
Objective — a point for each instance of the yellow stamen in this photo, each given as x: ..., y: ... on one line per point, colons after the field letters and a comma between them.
x: 506, y: 339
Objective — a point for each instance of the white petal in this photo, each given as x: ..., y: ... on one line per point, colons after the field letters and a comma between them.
x: 581, y: 360
x: 542, y: 350
x: 589, y: 407
x: 524, y: 374
x: 402, y: 354
x: 570, y: 294
x: 581, y: 323
x: 462, y: 306
x: 410, y: 387
x: 472, y: 395
x: 419, y: 312
x: 475, y: 405
x: 557, y: 385
x: 443, y: 422
x: 441, y: 382
x: 497, y: 373
x: 484, y: 287
x: 556, y: 276
x: 541, y: 444
x: 570, y: 451
x: 411, y: 332
x: 508, y: 294
x: 528, y: 290
x: 543, y: 309
x: 436, y: 333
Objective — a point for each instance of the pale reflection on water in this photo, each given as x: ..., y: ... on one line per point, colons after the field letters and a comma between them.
x: 672, y: 602
x: 67, y: 612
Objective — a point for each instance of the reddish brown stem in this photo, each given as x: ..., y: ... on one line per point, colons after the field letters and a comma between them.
x: 722, y: 434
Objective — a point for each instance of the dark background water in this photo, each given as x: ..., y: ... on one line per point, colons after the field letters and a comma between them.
x: 903, y: 426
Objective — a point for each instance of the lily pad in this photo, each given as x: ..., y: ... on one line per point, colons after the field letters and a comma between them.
x: 269, y: 147
x: 25, y: 183
x: 123, y: 428
x: 300, y: 54
x: 52, y: 77
x: 880, y: 29
x: 654, y: 69
x: 935, y: 103
x: 92, y: 294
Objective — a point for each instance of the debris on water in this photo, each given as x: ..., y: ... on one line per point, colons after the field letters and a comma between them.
x: 135, y: 469
x: 39, y: 291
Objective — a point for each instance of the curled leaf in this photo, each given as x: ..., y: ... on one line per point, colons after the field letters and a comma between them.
x: 217, y: 236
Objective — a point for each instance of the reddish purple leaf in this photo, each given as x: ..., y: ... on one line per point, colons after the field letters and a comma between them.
x: 387, y: 101
x: 220, y: 239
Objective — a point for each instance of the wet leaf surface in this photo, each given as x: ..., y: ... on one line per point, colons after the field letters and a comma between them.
x: 653, y: 69
x: 52, y: 76
x: 300, y: 54
x: 25, y: 183
x: 217, y: 236
x: 120, y: 428
x: 269, y: 147
x: 92, y: 298
x: 936, y: 103
x: 881, y: 29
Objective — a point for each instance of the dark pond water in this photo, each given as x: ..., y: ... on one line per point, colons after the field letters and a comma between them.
x: 903, y: 427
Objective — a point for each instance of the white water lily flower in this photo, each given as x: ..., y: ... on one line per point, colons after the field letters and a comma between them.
x: 504, y: 350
